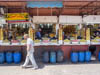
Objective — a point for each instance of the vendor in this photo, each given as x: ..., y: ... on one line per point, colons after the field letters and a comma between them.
x: 5, y: 32
x: 10, y: 35
x: 97, y: 32
x: 38, y: 34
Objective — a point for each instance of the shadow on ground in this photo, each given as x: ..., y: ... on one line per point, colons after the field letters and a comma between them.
x: 42, y: 65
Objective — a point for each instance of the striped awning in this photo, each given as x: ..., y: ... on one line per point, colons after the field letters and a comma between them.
x: 45, y: 4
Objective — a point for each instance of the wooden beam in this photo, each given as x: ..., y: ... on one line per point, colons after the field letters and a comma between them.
x: 87, y: 5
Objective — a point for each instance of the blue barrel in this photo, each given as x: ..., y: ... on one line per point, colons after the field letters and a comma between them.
x: 53, y: 57
x: 46, y: 57
x: 87, y: 56
x: 81, y: 56
x: 2, y: 57
x: 17, y: 57
x: 60, y: 56
x: 99, y: 56
x: 74, y: 57
x: 9, y: 57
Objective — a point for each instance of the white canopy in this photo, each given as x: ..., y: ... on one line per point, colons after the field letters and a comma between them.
x: 70, y: 20
x: 91, y: 19
x: 45, y: 19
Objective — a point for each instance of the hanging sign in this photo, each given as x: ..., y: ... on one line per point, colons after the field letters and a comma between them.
x: 17, y: 16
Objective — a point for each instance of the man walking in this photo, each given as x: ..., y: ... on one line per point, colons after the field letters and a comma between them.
x: 30, y: 53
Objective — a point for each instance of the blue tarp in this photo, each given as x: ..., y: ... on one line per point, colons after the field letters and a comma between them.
x: 45, y: 4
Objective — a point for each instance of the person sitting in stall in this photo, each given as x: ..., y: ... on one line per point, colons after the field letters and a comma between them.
x: 67, y: 36
x: 5, y: 34
x: 14, y: 34
x: 38, y: 34
x: 97, y: 33
x: 23, y: 36
x: 10, y: 35
x: 64, y: 36
x: 79, y: 37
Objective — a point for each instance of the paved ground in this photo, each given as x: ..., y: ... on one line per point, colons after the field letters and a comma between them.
x: 55, y: 69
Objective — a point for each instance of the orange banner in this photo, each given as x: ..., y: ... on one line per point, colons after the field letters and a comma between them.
x: 17, y: 16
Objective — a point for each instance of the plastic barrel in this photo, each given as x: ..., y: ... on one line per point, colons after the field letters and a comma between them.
x: 99, y: 56
x: 60, y: 56
x: 87, y: 56
x: 52, y: 57
x: 74, y: 57
x: 81, y: 56
x: 46, y: 57
x: 9, y: 57
x: 2, y: 57
x: 17, y: 57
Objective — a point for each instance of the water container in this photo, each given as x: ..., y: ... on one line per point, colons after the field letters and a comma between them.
x: 81, y: 56
x: 60, y: 56
x: 99, y: 56
x: 2, y: 57
x: 87, y: 56
x: 74, y: 57
x: 46, y: 57
x: 9, y: 57
x: 17, y: 57
x: 53, y: 57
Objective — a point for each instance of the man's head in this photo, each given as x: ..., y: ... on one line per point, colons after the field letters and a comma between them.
x: 26, y: 36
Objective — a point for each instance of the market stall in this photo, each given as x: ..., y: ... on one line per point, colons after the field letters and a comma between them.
x: 18, y: 24
x: 46, y: 29
x: 93, y: 24
x: 73, y: 31
x: 72, y: 34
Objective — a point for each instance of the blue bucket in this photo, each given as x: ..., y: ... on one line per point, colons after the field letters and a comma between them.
x: 74, y: 57
x: 17, y: 57
x: 2, y: 57
x: 53, y: 57
x: 60, y: 56
x: 99, y: 56
x: 9, y: 57
x: 81, y: 57
x: 46, y: 57
x: 87, y: 56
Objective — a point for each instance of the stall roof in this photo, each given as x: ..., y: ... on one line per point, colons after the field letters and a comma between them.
x: 91, y: 19
x: 70, y: 7
x: 45, y: 4
x: 45, y: 19
x: 70, y: 20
